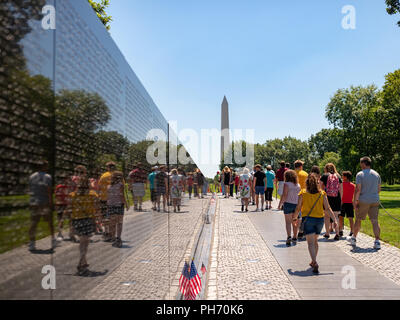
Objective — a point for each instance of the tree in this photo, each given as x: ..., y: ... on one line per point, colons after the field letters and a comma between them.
x: 326, y: 140
x: 356, y: 112
x: 330, y: 157
x: 393, y: 7
x: 100, y: 9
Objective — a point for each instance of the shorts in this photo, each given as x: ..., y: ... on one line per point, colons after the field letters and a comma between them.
x: 313, y: 225
x: 347, y: 210
x: 269, y: 194
x: 116, y: 210
x: 61, y: 211
x: 84, y: 227
x: 281, y: 184
x: 289, y: 208
x: 153, y: 195
x: 41, y: 211
x: 335, y: 203
x: 161, y: 191
x: 260, y: 190
x: 370, y: 209
x: 138, y: 190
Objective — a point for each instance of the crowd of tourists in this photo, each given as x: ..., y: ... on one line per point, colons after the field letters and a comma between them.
x: 311, y: 201
x: 97, y: 204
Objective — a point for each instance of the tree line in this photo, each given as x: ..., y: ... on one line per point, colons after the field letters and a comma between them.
x: 365, y: 122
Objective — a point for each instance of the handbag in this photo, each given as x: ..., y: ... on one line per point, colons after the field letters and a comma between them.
x: 301, y: 229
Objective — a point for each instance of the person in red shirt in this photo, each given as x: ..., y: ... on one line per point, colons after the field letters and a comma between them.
x: 280, y: 178
x: 237, y: 182
x: 62, y: 192
x: 347, y: 202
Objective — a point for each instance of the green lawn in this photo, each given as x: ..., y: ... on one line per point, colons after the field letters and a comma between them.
x: 14, y: 227
x: 390, y: 229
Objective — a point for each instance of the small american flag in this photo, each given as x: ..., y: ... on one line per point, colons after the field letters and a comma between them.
x: 194, y: 284
x: 184, y: 279
x: 203, y: 269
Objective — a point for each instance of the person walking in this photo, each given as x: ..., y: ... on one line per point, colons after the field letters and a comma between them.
x: 153, y: 193
x: 232, y: 182
x: 62, y: 192
x: 176, y: 184
x: 161, y: 181
x: 227, y: 181
x: 83, y: 206
x: 245, y: 186
x: 314, y: 205
x: 217, y: 183
x: 349, y: 189
x: 41, y: 203
x: 270, y: 187
x: 105, y: 181
x: 367, y: 200
x: 237, y: 182
x: 189, y: 182
x: 138, y: 183
x: 259, y: 186
x: 200, y: 183
x: 288, y: 203
x: 302, y: 178
x: 280, y: 178
x: 332, y: 184
x: 116, y: 203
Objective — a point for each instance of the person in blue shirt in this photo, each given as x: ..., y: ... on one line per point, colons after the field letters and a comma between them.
x: 270, y: 187
x: 153, y: 193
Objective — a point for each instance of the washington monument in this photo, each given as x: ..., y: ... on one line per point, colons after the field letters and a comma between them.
x: 225, y: 137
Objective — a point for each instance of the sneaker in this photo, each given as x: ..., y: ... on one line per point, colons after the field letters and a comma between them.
x: 300, y: 235
x: 32, y: 246
x: 351, y: 234
x: 377, y: 245
x: 294, y: 240
x: 337, y: 238
x: 327, y: 236
x: 341, y: 233
x: 257, y: 210
x: 60, y: 237
x: 289, y: 242
x: 353, y: 241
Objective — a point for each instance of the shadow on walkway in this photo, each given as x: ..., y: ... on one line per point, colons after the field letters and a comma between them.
x: 307, y: 273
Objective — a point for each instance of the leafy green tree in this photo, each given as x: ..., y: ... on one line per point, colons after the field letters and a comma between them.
x: 330, y: 157
x: 100, y: 9
x: 356, y: 112
x: 389, y: 146
x: 326, y: 140
x: 393, y: 7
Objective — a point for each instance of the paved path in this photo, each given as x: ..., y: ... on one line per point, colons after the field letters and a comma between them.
x: 262, y: 238
x: 139, y: 270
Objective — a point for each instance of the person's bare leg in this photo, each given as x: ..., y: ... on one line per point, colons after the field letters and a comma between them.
x: 83, y: 248
x: 327, y: 225
x: 120, y: 221
x: 351, y: 221
x: 337, y: 213
x: 32, y: 230
x: 341, y: 223
x: 357, y: 227
x: 295, y: 225
x: 311, y: 239
x: 376, y: 228
x: 288, y: 224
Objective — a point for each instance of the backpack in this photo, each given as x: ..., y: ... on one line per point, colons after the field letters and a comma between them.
x: 332, y: 185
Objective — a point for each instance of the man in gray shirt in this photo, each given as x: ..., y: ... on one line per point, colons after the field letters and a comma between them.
x: 41, y: 202
x: 368, y: 187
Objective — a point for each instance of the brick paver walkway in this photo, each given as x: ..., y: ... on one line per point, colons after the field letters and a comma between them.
x: 242, y: 265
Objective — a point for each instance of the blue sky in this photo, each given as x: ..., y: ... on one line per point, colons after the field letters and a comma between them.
x: 278, y: 62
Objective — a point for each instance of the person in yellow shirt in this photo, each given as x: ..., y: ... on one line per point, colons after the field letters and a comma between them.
x: 302, y: 178
x: 104, y: 182
x: 83, y: 207
x: 301, y: 174
x: 313, y: 203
